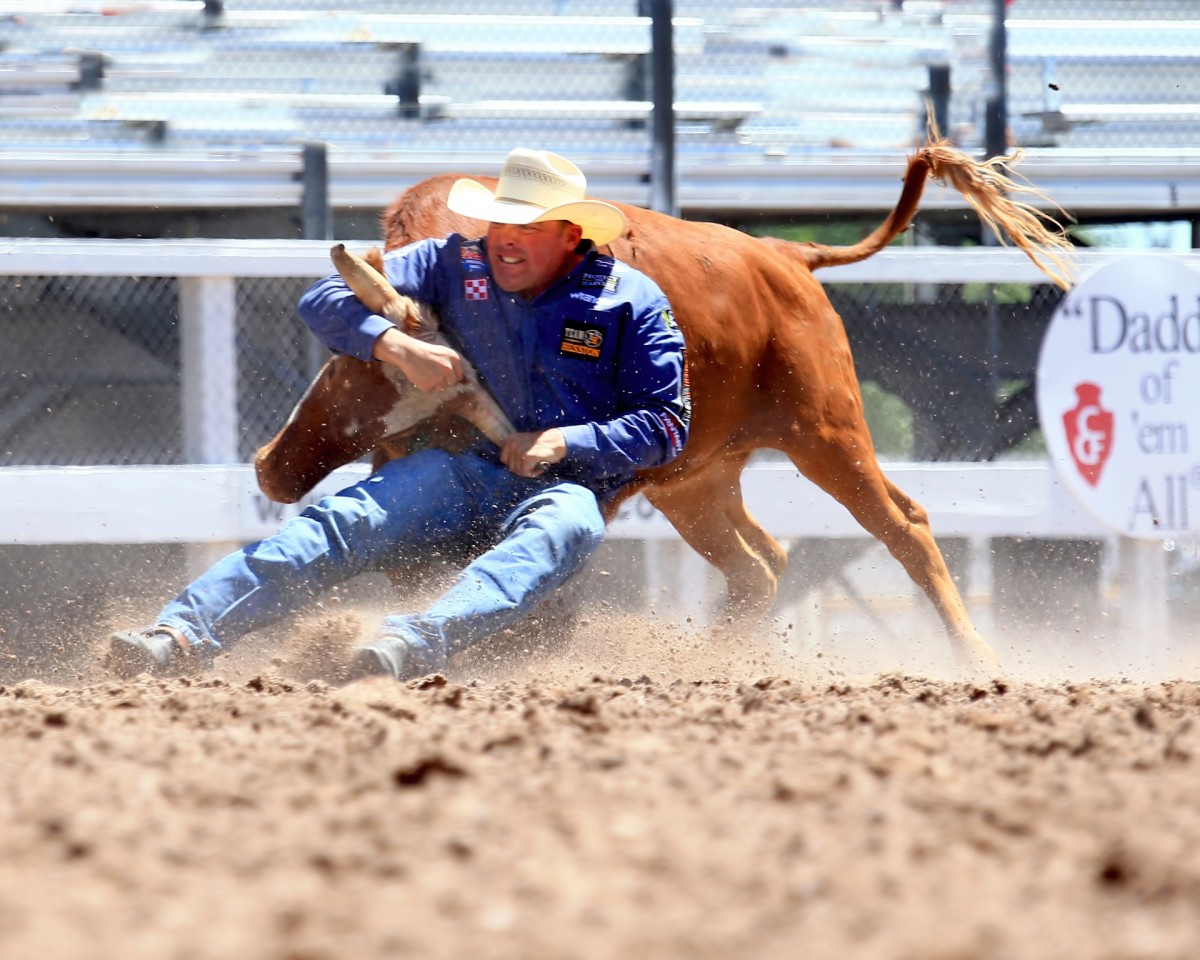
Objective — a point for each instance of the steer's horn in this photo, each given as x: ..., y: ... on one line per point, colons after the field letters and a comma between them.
x: 477, y: 407
x: 379, y: 296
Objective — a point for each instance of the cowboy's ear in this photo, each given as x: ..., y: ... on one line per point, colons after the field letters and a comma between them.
x: 573, y: 234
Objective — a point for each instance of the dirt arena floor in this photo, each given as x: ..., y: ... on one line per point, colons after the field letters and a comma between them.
x: 644, y: 793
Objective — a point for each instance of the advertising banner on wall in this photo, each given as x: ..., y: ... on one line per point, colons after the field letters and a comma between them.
x: 1119, y: 396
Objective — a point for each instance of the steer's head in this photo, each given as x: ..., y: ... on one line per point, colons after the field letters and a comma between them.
x: 341, y: 417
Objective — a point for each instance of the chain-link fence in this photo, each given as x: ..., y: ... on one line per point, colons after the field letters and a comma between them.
x: 277, y: 358
x: 94, y: 371
x: 470, y: 75
x: 91, y: 371
x: 949, y: 367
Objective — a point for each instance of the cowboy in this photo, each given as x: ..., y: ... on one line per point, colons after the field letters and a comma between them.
x: 581, y: 353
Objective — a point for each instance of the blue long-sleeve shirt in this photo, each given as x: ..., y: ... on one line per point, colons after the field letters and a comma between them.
x: 597, y: 354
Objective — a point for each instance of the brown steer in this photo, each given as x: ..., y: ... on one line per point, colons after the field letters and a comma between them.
x: 770, y: 366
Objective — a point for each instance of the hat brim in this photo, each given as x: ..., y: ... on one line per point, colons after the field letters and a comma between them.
x: 601, y: 222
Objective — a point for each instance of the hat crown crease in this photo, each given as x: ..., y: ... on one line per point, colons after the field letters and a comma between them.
x: 530, y: 185
x: 537, y: 185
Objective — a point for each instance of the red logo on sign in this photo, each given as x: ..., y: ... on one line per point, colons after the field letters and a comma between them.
x: 1089, y: 432
x: 475, y: 289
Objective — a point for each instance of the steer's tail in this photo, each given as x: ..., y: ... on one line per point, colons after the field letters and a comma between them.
x: 985, y: 186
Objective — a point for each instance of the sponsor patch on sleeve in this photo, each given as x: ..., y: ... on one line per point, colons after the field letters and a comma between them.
x: 685, y: 386
x: 674, y: 435
x: 685, y: 392
x: 581, y: 340
x: 472, y: 257
x: 608, y: 282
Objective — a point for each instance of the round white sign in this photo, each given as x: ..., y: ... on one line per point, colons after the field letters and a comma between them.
x: 1118, y: 389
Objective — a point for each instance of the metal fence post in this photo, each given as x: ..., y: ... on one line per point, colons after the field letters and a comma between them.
x: 939, y: 96
x: 316, y: 219
x: 91, y: 70
x: 214, y: 11
x: 996, y: 117
x: 406, y: 85
x: 662, y: 160
x: 637, y: 85
x: 317, y: 224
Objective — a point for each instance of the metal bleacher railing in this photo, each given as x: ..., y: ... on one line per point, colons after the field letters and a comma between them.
x: 778, y: 107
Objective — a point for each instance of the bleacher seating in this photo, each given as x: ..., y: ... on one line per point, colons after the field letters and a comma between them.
x: 225, y: 81
x: 175, y: 62
x: 1105, y: 82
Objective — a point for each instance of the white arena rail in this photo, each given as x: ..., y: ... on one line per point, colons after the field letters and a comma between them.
x: 141, y: 504
x: 85, y: 504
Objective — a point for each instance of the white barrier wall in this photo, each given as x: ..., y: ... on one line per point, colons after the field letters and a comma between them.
x: 136, y: 504
x: 218, y: 504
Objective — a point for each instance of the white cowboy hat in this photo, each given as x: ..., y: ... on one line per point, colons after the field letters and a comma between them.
x: 536, y: 185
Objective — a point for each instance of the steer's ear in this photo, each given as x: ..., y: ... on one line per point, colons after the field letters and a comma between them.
x: 374, y: 256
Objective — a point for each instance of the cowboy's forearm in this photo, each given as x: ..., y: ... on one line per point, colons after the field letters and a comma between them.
x: 339, y: 320
x: 429, y: 366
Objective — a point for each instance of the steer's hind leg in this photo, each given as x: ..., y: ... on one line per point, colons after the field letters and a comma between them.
x: 711, y: 517
x: 847, y: 470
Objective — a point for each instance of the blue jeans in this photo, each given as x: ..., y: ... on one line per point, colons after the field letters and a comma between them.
x: 539, y: 532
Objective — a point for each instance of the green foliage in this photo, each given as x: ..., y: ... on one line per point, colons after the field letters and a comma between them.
x: 890, y: 422
x: 1033, y: 447
x: 1003, y: 292
x: 834, y: 233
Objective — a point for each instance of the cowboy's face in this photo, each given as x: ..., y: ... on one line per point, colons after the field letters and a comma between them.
x: 527, y: 258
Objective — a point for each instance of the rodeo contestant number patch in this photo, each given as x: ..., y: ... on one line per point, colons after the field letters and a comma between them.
x: 581, y: 340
